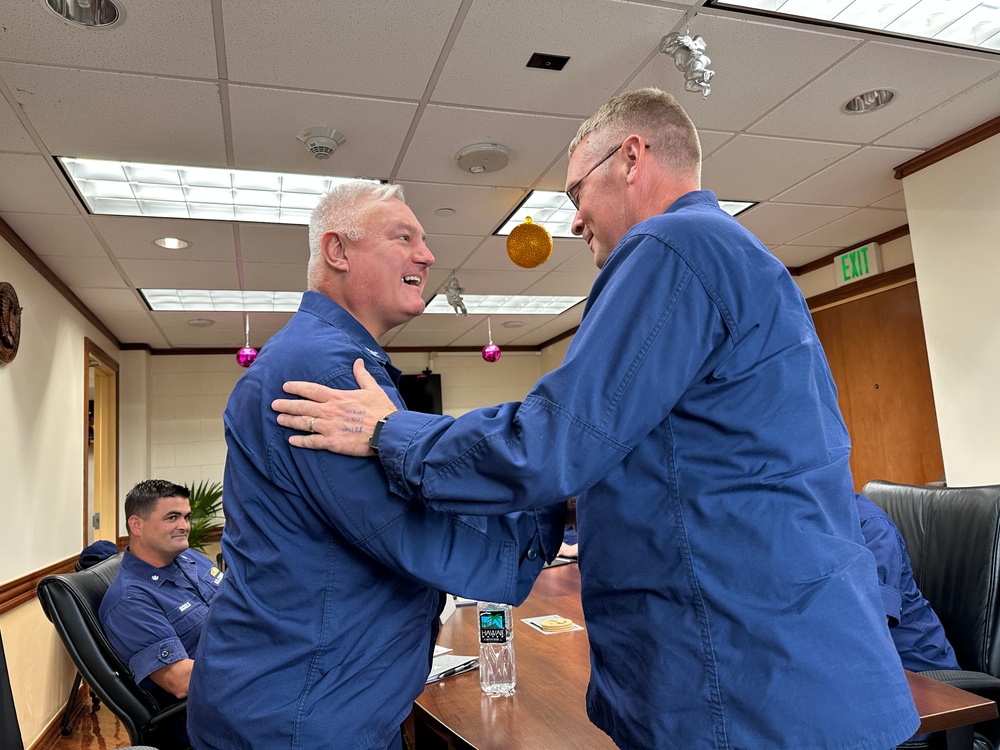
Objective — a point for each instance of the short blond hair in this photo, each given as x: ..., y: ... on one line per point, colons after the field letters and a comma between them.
x: 653, y: 114
x: 345, y: 209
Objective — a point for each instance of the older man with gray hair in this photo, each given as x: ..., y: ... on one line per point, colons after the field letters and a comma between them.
x: 323, y: 631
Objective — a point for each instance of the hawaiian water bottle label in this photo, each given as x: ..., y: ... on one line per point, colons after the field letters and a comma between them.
x: 493, y: 627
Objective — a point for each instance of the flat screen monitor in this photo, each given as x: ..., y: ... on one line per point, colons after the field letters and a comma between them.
x: 421, y: 392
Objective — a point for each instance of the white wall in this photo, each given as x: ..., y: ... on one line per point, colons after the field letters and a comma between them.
x: 42, y: 449
x: 954, y: 215
x: 188, y: 394
x: 895, y: 254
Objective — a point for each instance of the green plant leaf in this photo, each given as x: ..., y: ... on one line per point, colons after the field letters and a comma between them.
x: 206, y: 506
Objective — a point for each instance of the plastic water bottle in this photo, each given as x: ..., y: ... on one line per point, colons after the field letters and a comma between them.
x: 496, y: 648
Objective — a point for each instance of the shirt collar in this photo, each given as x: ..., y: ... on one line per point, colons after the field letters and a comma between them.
x: 330, y: 312
x: 142, y: 569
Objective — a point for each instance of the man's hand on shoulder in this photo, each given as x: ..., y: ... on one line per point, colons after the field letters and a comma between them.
x: 337, y: 421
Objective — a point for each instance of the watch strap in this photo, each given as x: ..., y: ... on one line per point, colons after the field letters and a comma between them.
x: 374, y: 439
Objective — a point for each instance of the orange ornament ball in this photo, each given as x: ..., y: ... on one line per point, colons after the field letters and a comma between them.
x: 529, y: 244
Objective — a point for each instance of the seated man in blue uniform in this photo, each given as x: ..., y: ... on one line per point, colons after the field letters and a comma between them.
x: 155, y: 609
x: 323, y: 633
x: 915, y: 629
x: 729, y: 600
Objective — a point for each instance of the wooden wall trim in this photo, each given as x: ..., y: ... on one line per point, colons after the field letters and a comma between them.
x: 17, y: 592
x: 968, y: 139
x: 35, y: 262
x: 815, y: 265
x: 872, y: 284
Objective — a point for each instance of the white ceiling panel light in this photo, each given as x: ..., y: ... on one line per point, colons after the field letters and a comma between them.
x: 553, y: 210
x: 220, y: 300
x: 970, y: 23
x: 172, y: 191
x: 504, y: 304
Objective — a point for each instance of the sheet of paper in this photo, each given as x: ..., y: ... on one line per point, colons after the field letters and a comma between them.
x: 449, y: 665
x: 438, y: 650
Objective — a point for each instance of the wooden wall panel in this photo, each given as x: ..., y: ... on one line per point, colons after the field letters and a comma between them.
x: 878, y: 357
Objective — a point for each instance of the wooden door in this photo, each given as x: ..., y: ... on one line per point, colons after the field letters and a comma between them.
x: 878, y: 356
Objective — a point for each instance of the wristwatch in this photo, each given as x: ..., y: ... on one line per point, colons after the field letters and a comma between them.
x: 373, y: 440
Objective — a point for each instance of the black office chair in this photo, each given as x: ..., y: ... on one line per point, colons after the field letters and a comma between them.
x: 72, y: 601
x: 952, y: 536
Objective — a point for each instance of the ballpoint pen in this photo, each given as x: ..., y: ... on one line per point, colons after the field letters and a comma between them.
x: 464, y: 667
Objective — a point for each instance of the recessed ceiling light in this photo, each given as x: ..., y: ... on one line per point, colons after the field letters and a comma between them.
x: 554, y: 212
x: 445, y: 212
x: 180, y: 192
x: 172, y: 243
x: 869, y: 101
x: 201, y: 322
x: 92, y: 14
x: 504, y: 304
x: 513, y: 323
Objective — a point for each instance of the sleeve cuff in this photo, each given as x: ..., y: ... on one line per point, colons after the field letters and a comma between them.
x: 156, y: 656
x: 892, y: 602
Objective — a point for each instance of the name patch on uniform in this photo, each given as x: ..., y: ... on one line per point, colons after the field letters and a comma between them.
x: 184, y: 606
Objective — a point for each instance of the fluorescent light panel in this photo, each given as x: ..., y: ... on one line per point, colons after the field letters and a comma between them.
x: 220, y: 300
x: 179, y: 192
x: 554, y: 211
x: 500, y: 304
x: 967, y: 22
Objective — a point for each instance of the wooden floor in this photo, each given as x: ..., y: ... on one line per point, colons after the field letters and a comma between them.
x: 95, y: 731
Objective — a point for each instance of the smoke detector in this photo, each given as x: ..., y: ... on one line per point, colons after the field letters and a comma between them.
x: 322, y: 142
x: 483, y: 158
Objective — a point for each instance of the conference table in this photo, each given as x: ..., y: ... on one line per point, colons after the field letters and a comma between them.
x: 547, y: 709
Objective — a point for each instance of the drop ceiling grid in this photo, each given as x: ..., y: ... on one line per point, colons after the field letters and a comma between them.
x: 266, y: 123
x: 486, y: 67
x: 923, y: 78
x: 379, y: 48
x: 98, y: 115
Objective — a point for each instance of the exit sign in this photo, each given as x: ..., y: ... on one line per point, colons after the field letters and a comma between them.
x: 858, y: 264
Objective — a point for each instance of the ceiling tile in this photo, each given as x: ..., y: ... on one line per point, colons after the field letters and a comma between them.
x: 267, y: 122
x: 81, y: 272
x: 779, y: 223
x: 174, y: 38
x: 486, y: 67
x: 274, y: 277
x: 444, y: 131
x: 29, y: 185
x: 855, y: 228
x: 753, y: 68
x: 179, y: 274
x: 859, y: 179
x: 379, y: 47
x: 450, y: 250
x: 797, y: 255
x: 896, y: 200
x: 752, y: 168
x: 110, y: 300
x: 478, y: 210
x: 179, y: 122
x: 274, y: 243
x: 132, y: 237
x: 55, y: 234
x: 922, y: 78
x: 13, y: 136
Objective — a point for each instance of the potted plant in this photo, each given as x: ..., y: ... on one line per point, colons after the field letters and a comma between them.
x: 206, y: 505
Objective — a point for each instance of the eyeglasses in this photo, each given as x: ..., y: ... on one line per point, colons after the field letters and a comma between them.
x: 574, y: 190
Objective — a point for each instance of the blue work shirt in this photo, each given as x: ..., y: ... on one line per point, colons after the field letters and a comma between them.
x: 153, y: 616
x: 729, y: 600
x: 323, y: 633
x: 914, y: 627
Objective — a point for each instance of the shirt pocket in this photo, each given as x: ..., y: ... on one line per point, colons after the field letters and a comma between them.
x: 186, y: 617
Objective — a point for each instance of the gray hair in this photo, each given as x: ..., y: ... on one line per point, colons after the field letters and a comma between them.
x: 345, y: 208
x: 657, y: 117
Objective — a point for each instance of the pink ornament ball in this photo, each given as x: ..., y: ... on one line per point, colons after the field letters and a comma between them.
x: 247, y: 355
x: 491, y: 352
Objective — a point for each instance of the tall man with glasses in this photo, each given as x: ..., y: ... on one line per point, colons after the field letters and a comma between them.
x: 729, y: 599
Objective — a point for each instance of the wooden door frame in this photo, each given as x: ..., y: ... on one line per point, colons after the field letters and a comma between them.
x: 106, y: 411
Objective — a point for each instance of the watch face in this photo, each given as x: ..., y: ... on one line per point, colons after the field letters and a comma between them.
x: 10, y: 323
